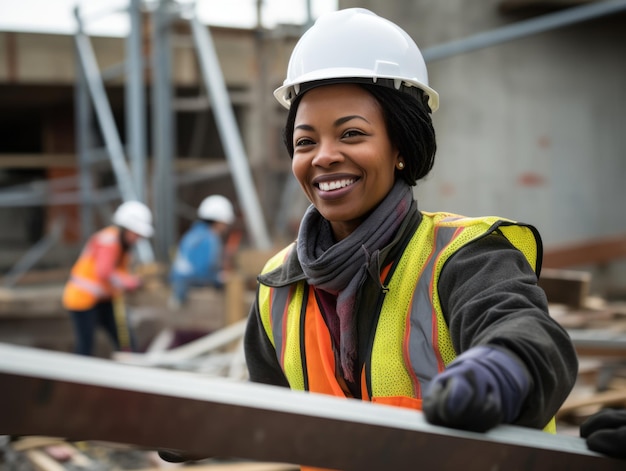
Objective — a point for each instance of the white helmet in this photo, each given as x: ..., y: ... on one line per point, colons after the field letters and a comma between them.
x: 134, y: 216
x: 355, y: 43
x: 216, y: 208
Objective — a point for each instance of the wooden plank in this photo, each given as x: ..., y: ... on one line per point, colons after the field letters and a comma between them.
x: 26, y: 443
x: 591, y: 252
x: 45, y: 160
x: 217, y: 417
x: 43, y: 462
x: 50, y: 275
x: 569, y: 287
x: 615, y: 397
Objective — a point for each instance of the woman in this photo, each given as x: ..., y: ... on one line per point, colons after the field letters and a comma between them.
x: 377, y: 300
x: 101, y: 274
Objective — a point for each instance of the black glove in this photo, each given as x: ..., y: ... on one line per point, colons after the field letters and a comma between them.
x: 605, y: 432
x: 480, y: 389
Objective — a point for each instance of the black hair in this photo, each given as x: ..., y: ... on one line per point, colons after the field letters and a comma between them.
x: 409, y: 126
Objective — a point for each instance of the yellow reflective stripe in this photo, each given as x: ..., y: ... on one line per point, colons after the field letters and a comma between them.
x: 264, y: 311
x: 389, y: 375
x: 264, y: 296
x: 292, y: 349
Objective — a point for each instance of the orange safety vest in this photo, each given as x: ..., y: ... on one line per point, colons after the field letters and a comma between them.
x: 408, y: 348
x: 84, y: 288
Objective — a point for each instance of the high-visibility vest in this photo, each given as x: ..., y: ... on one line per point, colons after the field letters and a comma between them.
x: 412, y: 342
x: 84, y: 289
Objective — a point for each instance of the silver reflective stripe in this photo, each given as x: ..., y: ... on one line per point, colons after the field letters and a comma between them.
x: 280, y: 304
x: 423, y: 347
x: 89, y: 286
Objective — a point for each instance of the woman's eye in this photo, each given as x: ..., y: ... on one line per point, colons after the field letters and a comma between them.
x: 304, y: 141
x: 352, y: 133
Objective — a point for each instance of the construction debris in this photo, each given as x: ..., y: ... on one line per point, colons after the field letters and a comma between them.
x: 36, y: 453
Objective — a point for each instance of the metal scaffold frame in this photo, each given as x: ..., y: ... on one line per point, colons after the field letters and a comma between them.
x: 91, y: 100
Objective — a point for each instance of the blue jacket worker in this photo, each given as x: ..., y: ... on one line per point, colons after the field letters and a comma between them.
x: 199, y: 255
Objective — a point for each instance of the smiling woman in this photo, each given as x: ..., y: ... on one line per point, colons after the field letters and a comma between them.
x: 377, y: 300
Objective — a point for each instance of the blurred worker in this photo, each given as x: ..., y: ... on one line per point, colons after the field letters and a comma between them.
x: 93, y: 293
x: 605, y: 432
x: 199, y: 257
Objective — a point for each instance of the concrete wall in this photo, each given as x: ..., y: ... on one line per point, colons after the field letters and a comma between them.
x: 50, y: 58
x: 532, y: 129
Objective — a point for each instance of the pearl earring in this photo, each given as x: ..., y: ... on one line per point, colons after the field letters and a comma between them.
x: 400, y: 165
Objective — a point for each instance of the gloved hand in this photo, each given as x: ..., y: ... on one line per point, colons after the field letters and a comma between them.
x: 481, y: 388
x: 605, y: 432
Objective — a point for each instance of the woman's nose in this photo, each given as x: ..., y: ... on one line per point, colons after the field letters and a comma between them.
x: 327, y: 154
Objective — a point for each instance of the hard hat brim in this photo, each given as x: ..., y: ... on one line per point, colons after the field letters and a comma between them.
x: 286, y: 93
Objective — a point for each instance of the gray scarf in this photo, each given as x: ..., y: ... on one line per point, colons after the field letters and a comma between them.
x: 341, y: 268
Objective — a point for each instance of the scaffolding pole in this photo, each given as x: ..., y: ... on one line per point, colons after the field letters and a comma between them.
x: 97, y: 93
x: 163, y: 134
x: 135, y: 99
x: 524, y: 28
x: 231, y: 139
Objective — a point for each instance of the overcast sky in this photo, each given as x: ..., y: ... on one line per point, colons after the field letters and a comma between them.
x: 56, y: 16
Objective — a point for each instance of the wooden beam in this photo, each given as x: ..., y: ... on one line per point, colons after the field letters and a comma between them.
x: 591, y: 252
x: 35, y: 161
x: 615, y: 397
x: 569, y: 287
x: 208, y: 416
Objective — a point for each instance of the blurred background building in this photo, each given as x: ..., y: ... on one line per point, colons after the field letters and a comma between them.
x: 531, y: 124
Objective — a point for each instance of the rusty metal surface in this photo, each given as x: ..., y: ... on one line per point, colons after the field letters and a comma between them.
x: 77, y: 398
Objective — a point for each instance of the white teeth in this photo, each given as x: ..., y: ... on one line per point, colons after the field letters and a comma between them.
x: 329, y: 186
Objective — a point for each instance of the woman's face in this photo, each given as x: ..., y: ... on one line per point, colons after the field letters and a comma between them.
x: 131, y: 237
x: 343, y: 158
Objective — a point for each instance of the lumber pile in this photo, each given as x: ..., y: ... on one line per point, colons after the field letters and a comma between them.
x: 598, y: 330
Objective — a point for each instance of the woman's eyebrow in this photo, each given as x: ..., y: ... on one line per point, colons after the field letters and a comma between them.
x: 345, y: 119
x: 306, y: 127
x: 338, y: 122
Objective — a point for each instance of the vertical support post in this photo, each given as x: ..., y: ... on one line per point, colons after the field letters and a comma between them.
x: 135, y: 101
x: 231, y: 139
x: 163, y: 139
x: 83, y: 124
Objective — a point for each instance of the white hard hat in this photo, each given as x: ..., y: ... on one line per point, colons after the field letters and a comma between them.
x: 355, y: 43
x: 134, y: 216
x: 216, y: 208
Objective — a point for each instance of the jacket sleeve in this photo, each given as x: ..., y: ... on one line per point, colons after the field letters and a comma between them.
x: 489, y: 295
x: 107, y: 253
x: 263, y: 366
